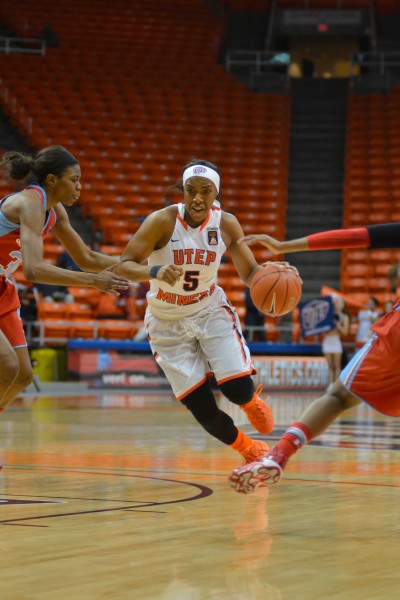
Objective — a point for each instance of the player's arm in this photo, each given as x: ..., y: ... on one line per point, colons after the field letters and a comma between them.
x: 386, y: 235
x: 81, y: 254
x: 153, y: 234
x: 36, y: 270
x: 242, y: 257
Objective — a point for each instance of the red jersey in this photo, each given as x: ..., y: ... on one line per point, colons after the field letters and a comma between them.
x: 10, y: 250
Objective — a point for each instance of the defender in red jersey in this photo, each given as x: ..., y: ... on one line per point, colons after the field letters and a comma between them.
x: 371, y: 376
x: 25, y: 218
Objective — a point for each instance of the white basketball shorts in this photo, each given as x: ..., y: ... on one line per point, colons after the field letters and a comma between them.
x: 192, y: 349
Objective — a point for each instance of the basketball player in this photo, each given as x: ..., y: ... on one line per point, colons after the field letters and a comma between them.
x: 194, y: 331
x: 25, y: 218
x: 372, y: 375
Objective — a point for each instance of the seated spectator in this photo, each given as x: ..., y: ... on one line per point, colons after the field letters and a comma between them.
x: 53, y: 293
x: 64, y: 261
x: 27, y: 299
x: 253, y: 318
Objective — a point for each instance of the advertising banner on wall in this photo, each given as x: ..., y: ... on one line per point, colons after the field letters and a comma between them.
x: 112, y: 369
x: 291, y: 372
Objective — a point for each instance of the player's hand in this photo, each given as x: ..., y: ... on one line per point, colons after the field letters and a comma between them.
x: 284, y: 266
x: 273, y: 245
x: 170, y: 274
x: 107, y: 281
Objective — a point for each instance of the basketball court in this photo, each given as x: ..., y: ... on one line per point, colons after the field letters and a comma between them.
x: 122, y: 495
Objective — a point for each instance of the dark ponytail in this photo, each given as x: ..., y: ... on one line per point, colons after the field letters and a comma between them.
x: 52, y: 160
x: 16, y: 165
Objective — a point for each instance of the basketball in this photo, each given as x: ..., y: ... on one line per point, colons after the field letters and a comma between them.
x: 275, y: 289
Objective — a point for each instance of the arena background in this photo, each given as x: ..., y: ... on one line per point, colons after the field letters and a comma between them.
x: 296, y: 102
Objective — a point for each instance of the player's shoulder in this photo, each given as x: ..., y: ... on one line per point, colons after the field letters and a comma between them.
x: 161, y: 219
x: 163, y: 216
x: 228, y: 220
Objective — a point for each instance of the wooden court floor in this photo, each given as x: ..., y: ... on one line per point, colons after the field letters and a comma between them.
x: 122, y: 496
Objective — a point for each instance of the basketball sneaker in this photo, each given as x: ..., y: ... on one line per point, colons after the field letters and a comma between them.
x: 255, y: 451
x: 267, y: 469
x: 258, y: 413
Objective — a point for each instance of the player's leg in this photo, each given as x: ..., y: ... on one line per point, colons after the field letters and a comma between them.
x: 202, y: 404
x: 9, y: 367
x: 23, y: 378
x: 241, y: 391
x: 179, y: 355
x: 15, y: 344
x: 314, y: 420
x: 229, y: 357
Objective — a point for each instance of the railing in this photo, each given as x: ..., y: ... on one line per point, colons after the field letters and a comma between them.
x: 35, y: 331
x: 311, y: 4
x: 13, y: 45
x: 263, y: 67
x: 380, y: 62
x: 257, y: 59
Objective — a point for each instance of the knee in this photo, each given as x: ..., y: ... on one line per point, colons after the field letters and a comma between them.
x: 24, y: 377
x: 239, y: 391
x: 10, y: 369
x: 343, y: 396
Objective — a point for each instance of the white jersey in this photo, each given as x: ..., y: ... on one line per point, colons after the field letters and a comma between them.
x: 199, y: 252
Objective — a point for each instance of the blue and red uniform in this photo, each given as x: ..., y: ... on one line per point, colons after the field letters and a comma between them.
x: 10, y: 260
x: 373, y: 374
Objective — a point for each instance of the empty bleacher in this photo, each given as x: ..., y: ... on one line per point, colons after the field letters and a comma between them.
x: 135, y: 91
x: 372, y: 187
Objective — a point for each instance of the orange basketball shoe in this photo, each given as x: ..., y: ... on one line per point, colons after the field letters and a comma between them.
x: 255, y: 451
x: 258, y: 413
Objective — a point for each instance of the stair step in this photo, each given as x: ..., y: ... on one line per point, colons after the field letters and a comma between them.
x: 318, y: 211
x: 316, y: 187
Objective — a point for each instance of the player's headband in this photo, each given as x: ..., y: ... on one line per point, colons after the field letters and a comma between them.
x: 201, y: 171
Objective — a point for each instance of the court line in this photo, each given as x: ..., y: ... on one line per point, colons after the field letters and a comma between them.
x: 204, y: 493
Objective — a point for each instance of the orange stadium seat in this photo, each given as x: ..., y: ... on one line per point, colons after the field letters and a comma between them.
x: 370, y: 191
x: 128, y: 120
x: 51, y: 310
x: 78, y: 310
x: 118, y: 329
x: 83, y: 329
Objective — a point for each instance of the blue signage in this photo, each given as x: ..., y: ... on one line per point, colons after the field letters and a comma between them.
x: 316, y: 316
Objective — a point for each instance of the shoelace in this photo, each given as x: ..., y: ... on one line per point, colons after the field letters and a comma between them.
x: 259, y: 389
x: 191, y: 328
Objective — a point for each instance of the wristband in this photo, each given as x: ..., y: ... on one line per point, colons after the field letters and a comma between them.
x: 154, y: 270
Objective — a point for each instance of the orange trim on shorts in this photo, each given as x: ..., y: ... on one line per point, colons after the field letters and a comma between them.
x: 239, y: 338
x: 194, y: 387
x: 251, y: 372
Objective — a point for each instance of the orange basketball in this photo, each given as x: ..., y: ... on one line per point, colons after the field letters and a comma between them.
x: 275, y: 290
